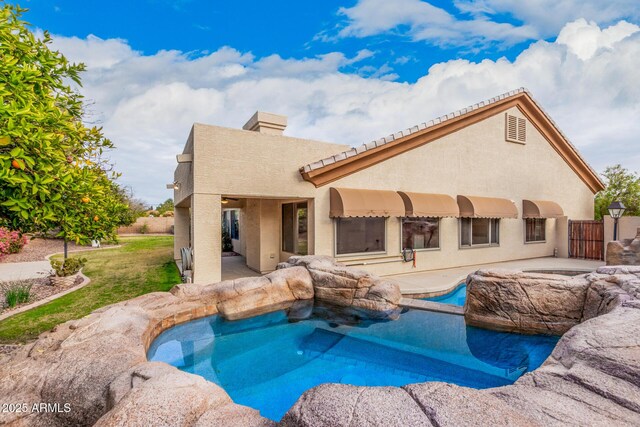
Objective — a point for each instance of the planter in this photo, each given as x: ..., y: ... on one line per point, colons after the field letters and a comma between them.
x: 64, y: 281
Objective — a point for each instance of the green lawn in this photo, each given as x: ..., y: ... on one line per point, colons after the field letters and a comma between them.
x: 140, y: 266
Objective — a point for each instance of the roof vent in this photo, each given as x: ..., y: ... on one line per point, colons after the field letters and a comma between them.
x: 268, y: 123
x: 515, y: 129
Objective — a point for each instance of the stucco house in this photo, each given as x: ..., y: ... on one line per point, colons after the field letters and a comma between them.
x: 493, y: 182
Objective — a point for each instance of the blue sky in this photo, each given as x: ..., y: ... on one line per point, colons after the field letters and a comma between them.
x: 295, y: 29
x: 344, y: 71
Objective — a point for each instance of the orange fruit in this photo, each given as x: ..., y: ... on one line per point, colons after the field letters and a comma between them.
x: 85, y: 199
x: 95, y: 218
x: 15, y: 164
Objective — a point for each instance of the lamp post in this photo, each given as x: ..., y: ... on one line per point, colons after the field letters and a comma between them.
x: 616, y: 209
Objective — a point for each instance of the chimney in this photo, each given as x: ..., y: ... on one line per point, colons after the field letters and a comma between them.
x: 267, y: 123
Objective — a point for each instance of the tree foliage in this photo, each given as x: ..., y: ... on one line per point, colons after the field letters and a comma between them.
x: 52, y: 168
x: 622, y: 186
x: 165, y: 206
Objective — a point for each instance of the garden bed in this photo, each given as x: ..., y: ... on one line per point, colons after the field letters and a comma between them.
x: 40, y: 289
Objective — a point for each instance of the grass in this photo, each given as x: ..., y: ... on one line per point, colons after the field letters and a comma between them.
x: 141, y: 265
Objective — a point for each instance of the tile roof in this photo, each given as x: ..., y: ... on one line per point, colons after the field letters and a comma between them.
x: 425, y: 125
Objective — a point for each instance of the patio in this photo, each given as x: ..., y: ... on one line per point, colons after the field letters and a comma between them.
x: 446, y: 279
x: 235, y: 267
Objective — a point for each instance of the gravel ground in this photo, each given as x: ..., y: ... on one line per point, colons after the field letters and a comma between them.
x: 37, y: 248
x: 40, y: 289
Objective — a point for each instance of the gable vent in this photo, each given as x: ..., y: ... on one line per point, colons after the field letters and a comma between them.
x: 516, y: 129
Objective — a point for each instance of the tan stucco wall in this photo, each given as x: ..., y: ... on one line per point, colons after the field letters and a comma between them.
x: 238, y: 162
x: 183, y: 175
x: 473, y: 161
x: 182, y: 229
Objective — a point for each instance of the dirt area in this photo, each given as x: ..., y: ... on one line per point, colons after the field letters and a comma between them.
x: 40, y: 289
x: 37, y: 248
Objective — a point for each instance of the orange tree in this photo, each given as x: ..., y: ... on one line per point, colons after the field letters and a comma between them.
x: 52, y: 172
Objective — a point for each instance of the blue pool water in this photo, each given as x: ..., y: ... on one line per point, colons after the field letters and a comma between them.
x: 455, y: 297
x: 268, y: 361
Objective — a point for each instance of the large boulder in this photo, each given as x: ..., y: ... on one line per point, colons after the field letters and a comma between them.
x: 346, y: 286
x: 156, y: 394
x: 626, y: 252
x: 241, y: 297
x: 97, y: 365
x: 524, y: 302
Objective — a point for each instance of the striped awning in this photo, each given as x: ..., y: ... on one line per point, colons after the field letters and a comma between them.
x: 541, y: 209
x: 486, y: 207
x: 351, y: 202
x: 429, y: 205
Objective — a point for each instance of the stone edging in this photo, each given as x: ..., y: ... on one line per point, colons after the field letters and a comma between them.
x: 85, y: 281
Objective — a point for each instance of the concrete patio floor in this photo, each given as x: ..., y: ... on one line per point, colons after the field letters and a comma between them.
x: 440, y: 281
x: 235, y: 267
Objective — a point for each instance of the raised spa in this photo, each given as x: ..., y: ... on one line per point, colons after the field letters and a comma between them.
x: 266, y: 362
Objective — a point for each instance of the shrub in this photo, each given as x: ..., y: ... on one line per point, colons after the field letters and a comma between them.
x: 227, y: 244
x: 17, y: 293
x: 144, y: 229
x: 11, y: 242
x: 168, y: 214
x: 68, y: 267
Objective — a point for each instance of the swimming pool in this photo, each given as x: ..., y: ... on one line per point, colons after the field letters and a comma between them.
x: 455, y: 297
x: 268, y: 361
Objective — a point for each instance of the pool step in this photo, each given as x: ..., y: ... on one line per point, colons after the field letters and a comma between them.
x: 432, y: 306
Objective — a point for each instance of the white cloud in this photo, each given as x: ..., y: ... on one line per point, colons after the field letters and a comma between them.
x: 584, y: 39
x: 148, y: 103
x: 549, y: 16
x: 480, y: 23
x: 423, y: 21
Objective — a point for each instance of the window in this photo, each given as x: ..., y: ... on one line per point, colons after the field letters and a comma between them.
x: 420, y: 233
x: 479, y: 232
x: 360, y: 235
x: 294, y: 228
x: 534, y: 229
x: 235, y: 226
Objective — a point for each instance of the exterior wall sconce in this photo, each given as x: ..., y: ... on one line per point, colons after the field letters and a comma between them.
x: 616, y: 210
x: 174, y: 186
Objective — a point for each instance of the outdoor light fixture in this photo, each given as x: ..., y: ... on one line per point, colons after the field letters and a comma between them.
x: 224, y: 201
x: 174, y: 186
x: 616, y: 209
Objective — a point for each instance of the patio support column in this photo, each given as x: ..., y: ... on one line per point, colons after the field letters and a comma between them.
x: 206, y: 239
x: 181, y: 231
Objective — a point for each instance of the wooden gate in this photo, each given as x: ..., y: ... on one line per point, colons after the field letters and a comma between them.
x: 586, y: 239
